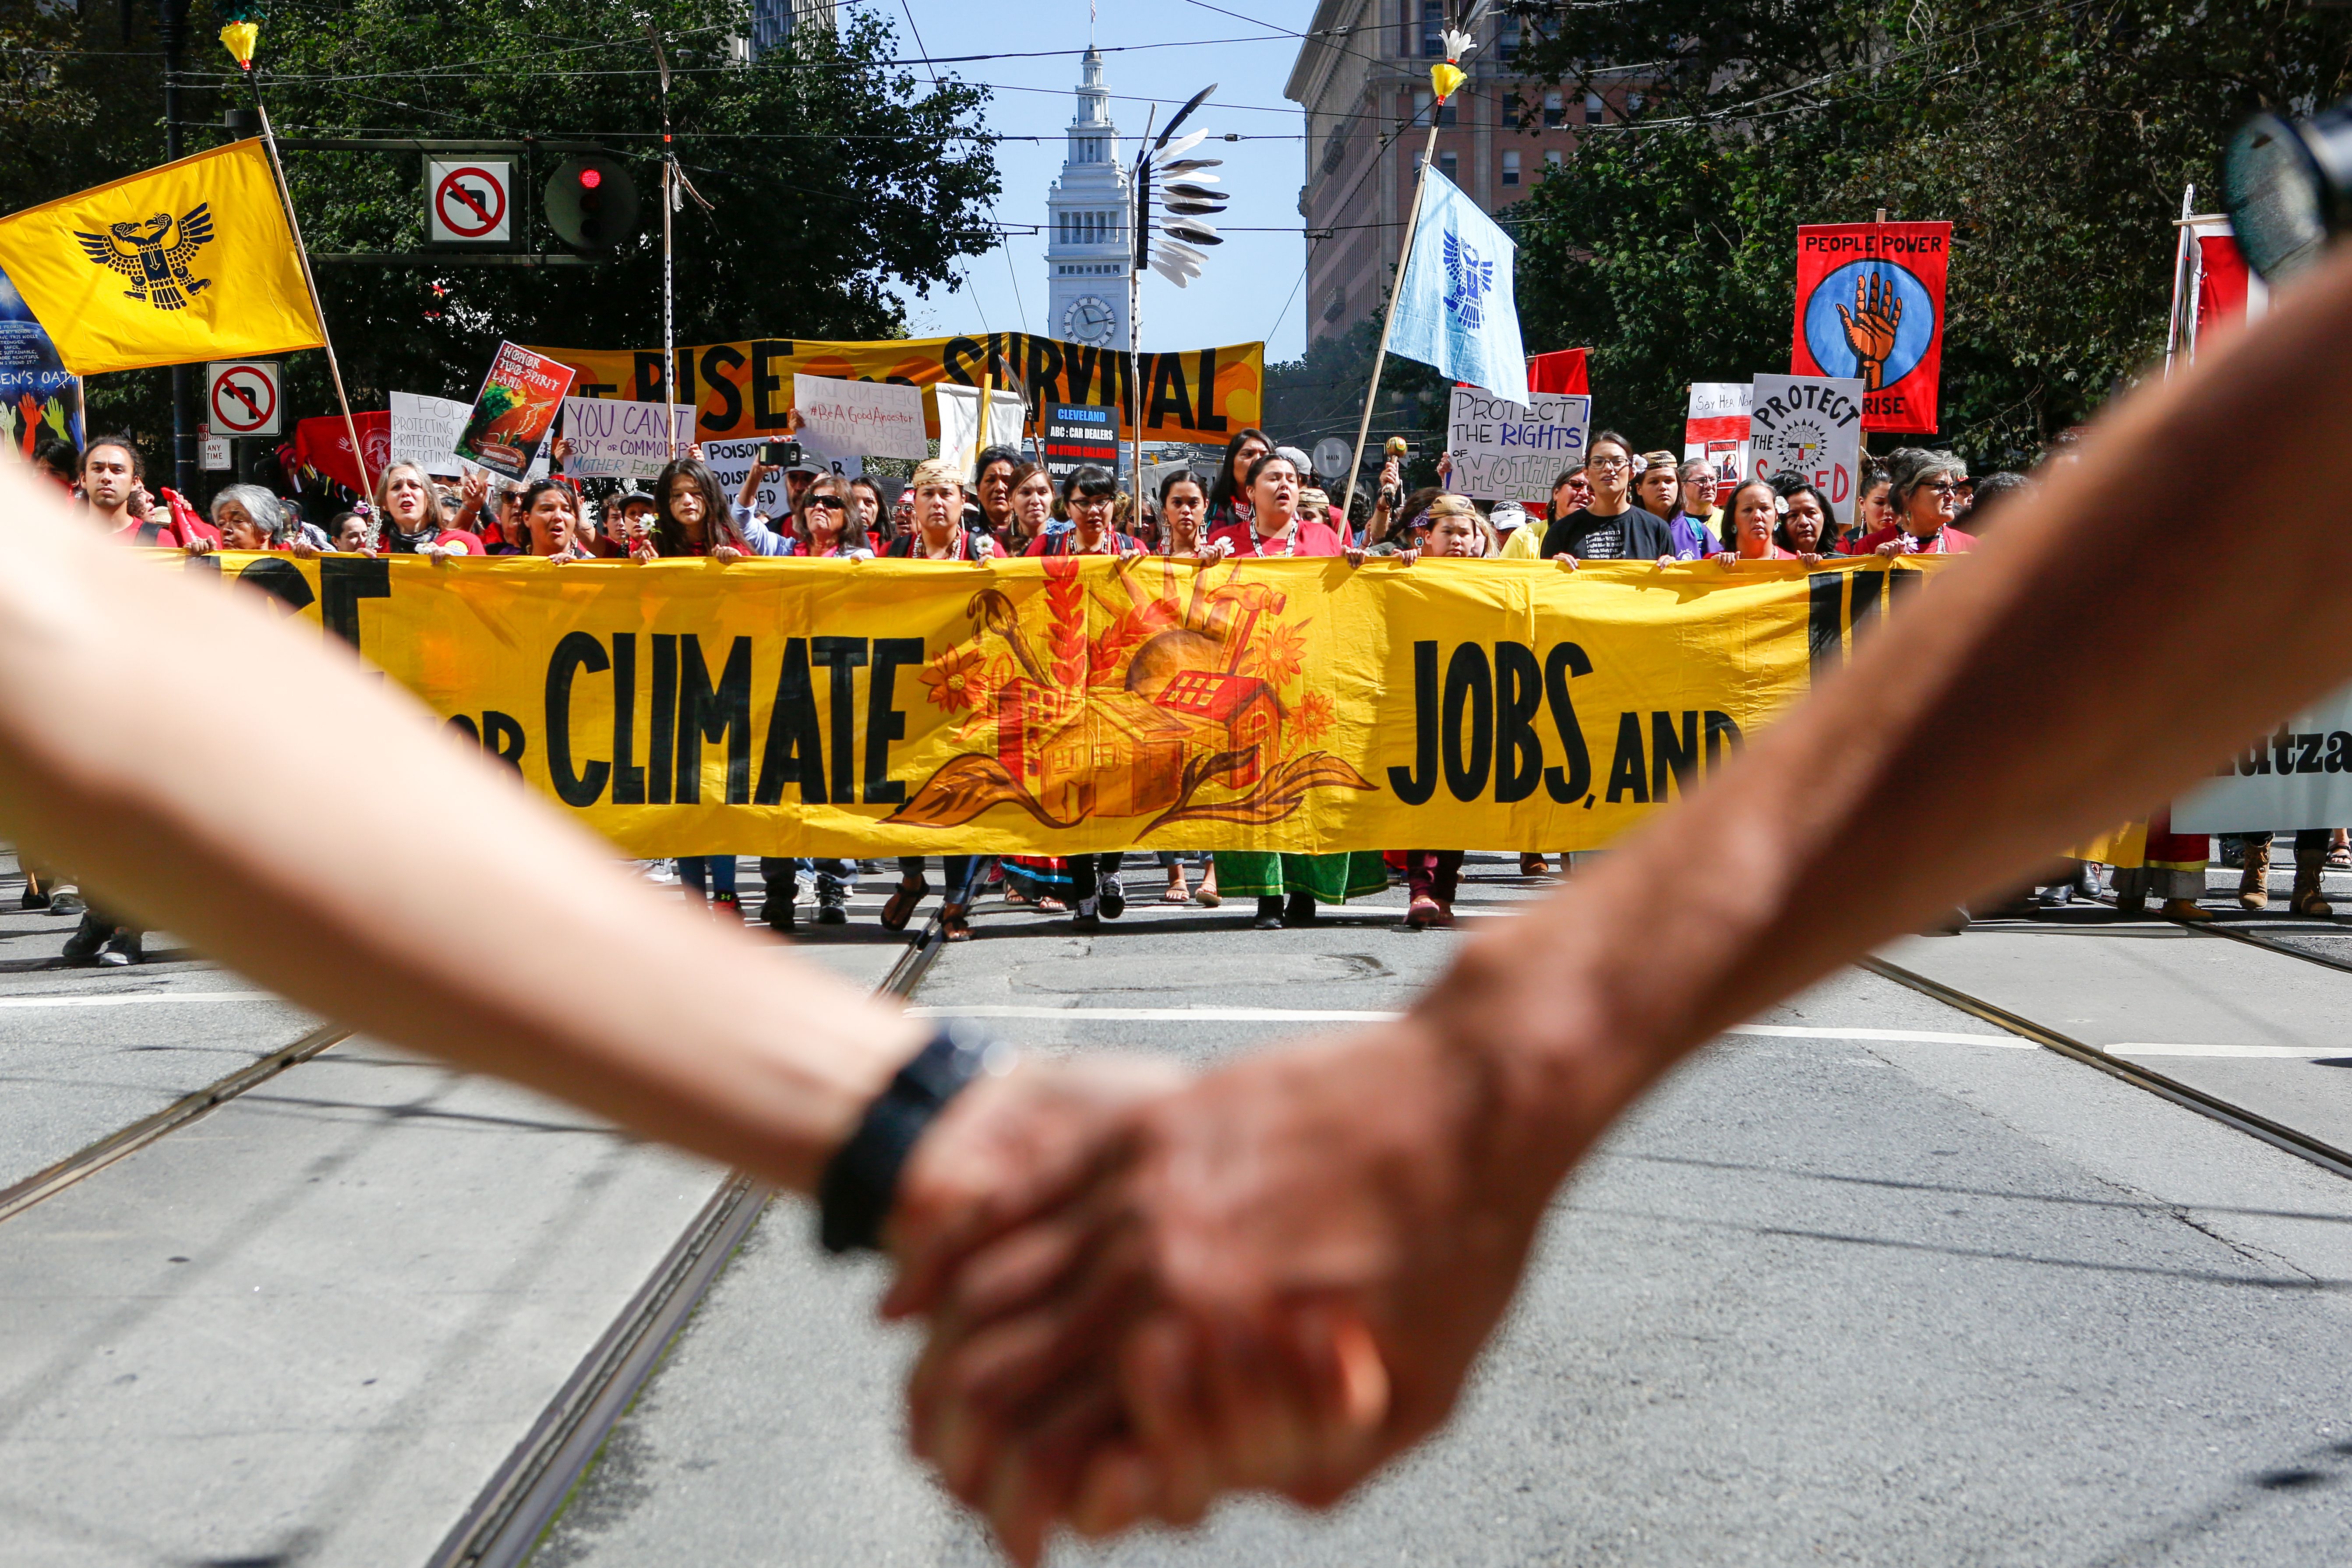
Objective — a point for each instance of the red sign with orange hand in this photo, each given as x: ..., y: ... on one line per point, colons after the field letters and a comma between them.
x: 1870, y: 305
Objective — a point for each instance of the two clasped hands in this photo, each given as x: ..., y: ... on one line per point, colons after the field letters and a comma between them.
x: 1144, y: 1289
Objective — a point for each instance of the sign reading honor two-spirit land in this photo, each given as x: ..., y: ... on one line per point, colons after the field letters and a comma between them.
x: 513, y: 412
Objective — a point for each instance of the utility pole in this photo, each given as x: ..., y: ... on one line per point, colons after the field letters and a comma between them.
x: 174, y: 28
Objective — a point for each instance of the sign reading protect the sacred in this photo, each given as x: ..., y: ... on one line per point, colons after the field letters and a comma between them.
x: 1870, y: 306
x: 1072, y: 704
x: 1504, y: 451
x: 861, y: 418
x: 746, y: 388
x: 514, y: 411
x: 613, y: 440
x: 1809, y: 425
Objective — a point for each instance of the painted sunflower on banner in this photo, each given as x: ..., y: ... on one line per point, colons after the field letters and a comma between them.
x: 1184, y: 703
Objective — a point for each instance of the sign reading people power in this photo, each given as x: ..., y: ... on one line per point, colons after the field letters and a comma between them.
x: 1870, y: 306
x: 1810, y: 425
x: 1502, y: 451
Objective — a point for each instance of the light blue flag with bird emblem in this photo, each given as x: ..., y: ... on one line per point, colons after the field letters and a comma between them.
x: 1454, y: 307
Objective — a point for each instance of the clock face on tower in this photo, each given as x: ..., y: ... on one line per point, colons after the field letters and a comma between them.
x: 1090, y: 320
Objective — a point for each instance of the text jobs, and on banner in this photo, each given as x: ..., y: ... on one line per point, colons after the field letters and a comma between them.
x: 1059, y: 706
x: 616, y: 441
x: 1503, y: 451
x: 1809, y: 426
x: 1870, y: 306
x: 745, y: 388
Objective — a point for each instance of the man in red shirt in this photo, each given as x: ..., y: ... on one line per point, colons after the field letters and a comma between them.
x: 1925, y: 492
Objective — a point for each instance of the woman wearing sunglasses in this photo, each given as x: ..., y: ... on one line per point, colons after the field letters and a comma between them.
x: 1926, y: 494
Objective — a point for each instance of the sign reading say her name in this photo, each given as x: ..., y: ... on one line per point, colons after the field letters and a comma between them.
x: 1502, y: 451
x: 614, y: 440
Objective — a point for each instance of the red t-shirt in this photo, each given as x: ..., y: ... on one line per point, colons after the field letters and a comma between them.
x: 1949, y: 541
x: 1314, y: 539
x: 1065, y: 543
x: 458, y: 541
x: 1778, y: 554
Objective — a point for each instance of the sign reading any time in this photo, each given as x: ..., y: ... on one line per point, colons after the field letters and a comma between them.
x: 243, y: 397
x: 465, y: 201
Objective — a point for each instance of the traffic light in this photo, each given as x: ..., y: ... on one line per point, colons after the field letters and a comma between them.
x: 592, y: 202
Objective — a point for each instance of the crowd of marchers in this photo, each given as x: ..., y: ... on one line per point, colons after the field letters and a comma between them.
x: 1261, y: 500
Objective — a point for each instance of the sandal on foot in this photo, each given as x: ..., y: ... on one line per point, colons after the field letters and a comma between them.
x: 1423, y: 914
x: 901, y: 907
x: 952, y: 924
x: 1176, y: 893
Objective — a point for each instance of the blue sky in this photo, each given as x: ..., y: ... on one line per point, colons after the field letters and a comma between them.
x: 1242, y: 297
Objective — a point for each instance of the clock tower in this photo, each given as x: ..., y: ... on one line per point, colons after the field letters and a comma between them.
x: 1087, y: 215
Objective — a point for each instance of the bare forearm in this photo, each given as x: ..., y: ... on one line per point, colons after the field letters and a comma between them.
x: 238, y: 782
x: 2099, y: 653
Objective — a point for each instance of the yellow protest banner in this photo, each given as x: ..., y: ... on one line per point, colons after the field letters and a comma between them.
x: 1060, y: 706
x: 745, y: 389
x: 191, y: 261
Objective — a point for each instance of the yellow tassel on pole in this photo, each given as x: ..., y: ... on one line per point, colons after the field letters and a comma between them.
x: 1445, y: 76
x: 240, y: 39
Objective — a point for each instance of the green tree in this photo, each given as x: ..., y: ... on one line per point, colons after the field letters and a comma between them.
x: 831, y: 171
x: 2055, y: 137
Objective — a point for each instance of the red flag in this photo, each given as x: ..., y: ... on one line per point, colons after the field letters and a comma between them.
x: 323, y: 446
x: 1870, y: 304
x: 1561, y: 370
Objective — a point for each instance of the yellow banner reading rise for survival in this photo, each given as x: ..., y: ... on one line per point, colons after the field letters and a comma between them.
x: 1055, y: 707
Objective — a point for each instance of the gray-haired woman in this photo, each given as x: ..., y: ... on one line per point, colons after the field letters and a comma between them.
x: 250, y: 518
x: 1923, y: 487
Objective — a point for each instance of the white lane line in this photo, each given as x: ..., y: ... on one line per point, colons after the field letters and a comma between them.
x: 136, y: 997
x: 1772, y: 1031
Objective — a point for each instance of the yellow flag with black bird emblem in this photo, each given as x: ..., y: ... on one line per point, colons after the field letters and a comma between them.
x: 191, y: 261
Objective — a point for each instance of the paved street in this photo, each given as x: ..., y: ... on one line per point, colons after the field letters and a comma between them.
x: 1875, y: 1282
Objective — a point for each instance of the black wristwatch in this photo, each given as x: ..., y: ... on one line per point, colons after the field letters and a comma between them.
x: 861, y: 1181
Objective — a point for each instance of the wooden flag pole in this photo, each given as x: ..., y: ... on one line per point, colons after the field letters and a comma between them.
x: 326, y: 340
x: 1388, y: 322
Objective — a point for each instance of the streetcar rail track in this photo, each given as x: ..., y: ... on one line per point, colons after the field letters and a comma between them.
x: 529, y: 1489
x: 93, y: 1158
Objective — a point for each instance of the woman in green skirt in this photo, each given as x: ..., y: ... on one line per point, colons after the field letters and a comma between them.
x: 1288, y: 886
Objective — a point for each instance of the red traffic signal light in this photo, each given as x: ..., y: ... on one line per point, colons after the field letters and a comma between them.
x: 592, y: 202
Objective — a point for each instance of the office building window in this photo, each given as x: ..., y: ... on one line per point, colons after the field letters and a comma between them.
x: 1510, y: 168
x: 1506, y: 36
x: 1555, y: 113
x: 1450, y: 166
x: 1551, y: 158
x: 1592, y: 109
x: 1420, y: 102
x: 1337, y: 305
x: 1432, y: 29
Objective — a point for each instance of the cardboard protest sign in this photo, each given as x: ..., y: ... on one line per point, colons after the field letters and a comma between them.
x: 512, y: 414
x: 1716, y: 429
x: 962, y: 429
x: 2298, y: 776
x: 1870, y: 306
x: 732, y: 460
x: 613, y: 440
x: 424, y: 431
x: 745, y: 388
x: 861, y: 418
x: 1504, y: 451
x: 1808, y: 425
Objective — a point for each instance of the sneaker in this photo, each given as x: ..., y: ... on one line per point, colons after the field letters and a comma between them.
x: 68, y: 903
x: 776, y: 911
x: 661, y: 873
x: 830, y: 913
x: 1111, y: 897
x: 1269, y: 915
x: 88, y: 940
x: 725, y: 906
x: 125, y: 946
x: 1086, y: 921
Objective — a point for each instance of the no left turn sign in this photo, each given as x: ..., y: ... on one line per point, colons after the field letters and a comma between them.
x: 465, y: 201
x: 244, y: 397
